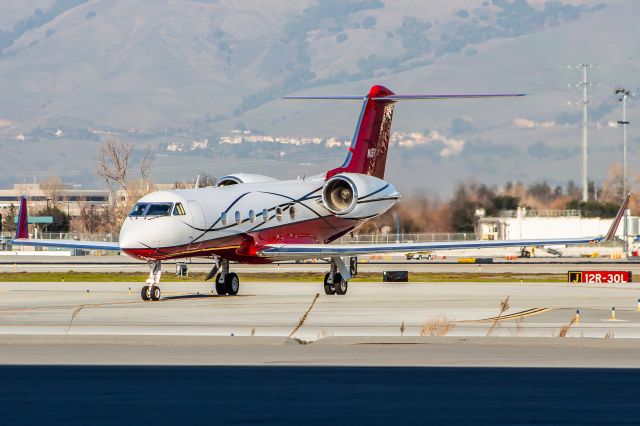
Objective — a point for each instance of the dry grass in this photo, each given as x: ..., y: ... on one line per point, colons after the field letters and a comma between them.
x: 437, y: 327
x: 504, y: 305
x: 304, y: 317
x: 609, y: 335
x: 74, y: 314
x: 402, y: 328
x: 519, y: 325
x: 253, y: 331
x: 565, y: 328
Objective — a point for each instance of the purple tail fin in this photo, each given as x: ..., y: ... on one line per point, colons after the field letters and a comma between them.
x: 22, y: 231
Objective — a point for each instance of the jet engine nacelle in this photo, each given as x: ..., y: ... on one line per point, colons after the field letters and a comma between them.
x: 354, y: 195
x: 243, y: 178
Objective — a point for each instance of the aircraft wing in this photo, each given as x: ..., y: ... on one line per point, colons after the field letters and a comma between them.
x: 303, y: 251
x: 329, y: 250
x: 70, y: 244
x: 22, y: 236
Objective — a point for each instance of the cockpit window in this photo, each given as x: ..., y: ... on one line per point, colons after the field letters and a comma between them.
x: 178, y: 210
x: 138, y: 209
x: 159, y: 209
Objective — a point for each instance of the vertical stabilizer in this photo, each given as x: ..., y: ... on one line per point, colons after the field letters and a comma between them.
x: 368, y: 150
x: 22, y: 230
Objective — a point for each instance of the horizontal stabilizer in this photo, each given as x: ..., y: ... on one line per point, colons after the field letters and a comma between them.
x: 448, y: 96
x: 395, y: 98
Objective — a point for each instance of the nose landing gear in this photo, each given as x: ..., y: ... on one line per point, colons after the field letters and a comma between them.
x: 152, y: 290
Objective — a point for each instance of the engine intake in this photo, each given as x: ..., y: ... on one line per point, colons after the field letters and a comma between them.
x: 358, y: 196
x: 340, y: 195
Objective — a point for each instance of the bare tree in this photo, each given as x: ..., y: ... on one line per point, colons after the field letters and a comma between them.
x: 113, y: 163
x: 53, y: 188
x: 114, y: 157
x: 206, y: 180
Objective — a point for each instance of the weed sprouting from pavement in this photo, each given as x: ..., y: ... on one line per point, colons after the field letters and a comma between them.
x: 304, y: 317
x: 402, y: 329
x: 565, y: 328
x: 609, y: 335
x: 519, y: 327
x: 253, y: 331
x: 74, y: 314
x: 504, y: 305
x: 437, y: 327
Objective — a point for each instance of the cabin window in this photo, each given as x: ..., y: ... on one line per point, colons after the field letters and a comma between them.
x: 265, y: 215
x: 138, y: 209
x: 238, y: 218
x: 223, y: 218
x: 252, y: 216
x: 292, y: 212
x: 279, y: 213
x: 178, y: 210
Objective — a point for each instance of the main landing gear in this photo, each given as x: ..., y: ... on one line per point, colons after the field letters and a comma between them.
x: 152, y: 291
x: 226, y: 282
x: 336, y: 281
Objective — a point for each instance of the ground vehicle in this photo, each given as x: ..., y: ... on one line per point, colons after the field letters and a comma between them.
x: 419, y: 255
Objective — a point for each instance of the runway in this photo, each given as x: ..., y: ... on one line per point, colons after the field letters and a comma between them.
x: 374, y: 324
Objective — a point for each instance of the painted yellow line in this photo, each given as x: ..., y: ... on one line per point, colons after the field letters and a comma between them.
x: 516, y: 315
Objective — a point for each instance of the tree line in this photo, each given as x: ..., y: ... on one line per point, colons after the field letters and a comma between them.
x: 417, y: 213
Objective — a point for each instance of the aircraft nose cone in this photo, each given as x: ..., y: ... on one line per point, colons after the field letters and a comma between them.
x: 125, y: 235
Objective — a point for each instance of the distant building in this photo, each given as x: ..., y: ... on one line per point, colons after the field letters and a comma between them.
x: 525, y: 223
x: 67, y: 199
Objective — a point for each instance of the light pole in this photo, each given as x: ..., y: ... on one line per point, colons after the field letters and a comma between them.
x: 624, y: 94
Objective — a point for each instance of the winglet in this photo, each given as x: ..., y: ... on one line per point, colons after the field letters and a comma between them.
x: 616, y: 221
x: 22, y: 231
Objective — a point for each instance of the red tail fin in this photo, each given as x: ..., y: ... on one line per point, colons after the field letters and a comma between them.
x: 22, y: 231
x: 368, y: 150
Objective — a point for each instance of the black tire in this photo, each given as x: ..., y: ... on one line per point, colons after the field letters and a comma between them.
x: 232, y: 283
x: 144, y: 293
x: 329, y: 289
x: 353, y: 266
x: 340, y: 285
x: 155, y: 293
x: 221, y: 287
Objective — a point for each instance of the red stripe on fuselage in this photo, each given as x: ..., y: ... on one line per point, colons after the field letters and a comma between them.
x: 235, y: 247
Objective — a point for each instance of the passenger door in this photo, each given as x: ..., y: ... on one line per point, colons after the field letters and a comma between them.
x: 197, y: 216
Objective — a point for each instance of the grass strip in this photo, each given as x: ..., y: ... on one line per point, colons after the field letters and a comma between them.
x: 73, y: 276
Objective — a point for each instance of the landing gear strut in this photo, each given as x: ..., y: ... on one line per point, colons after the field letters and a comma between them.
x: 336, y: 281
x: 227, y: 282
x: 152, y: 290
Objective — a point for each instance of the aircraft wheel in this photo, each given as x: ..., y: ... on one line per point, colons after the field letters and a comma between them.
x: 232, y: 283
x: 340, y: 285
x: 221, y: 286
x: 144, y: 293
x: 329, y: 289
x: 155, y: 293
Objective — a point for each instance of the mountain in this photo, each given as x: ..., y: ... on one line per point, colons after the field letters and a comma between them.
x: 163, y: 72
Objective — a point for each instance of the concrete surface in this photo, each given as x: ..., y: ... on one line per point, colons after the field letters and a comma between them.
x: 275, y: 309
x: 63, y: 323
x: 337, y: 351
